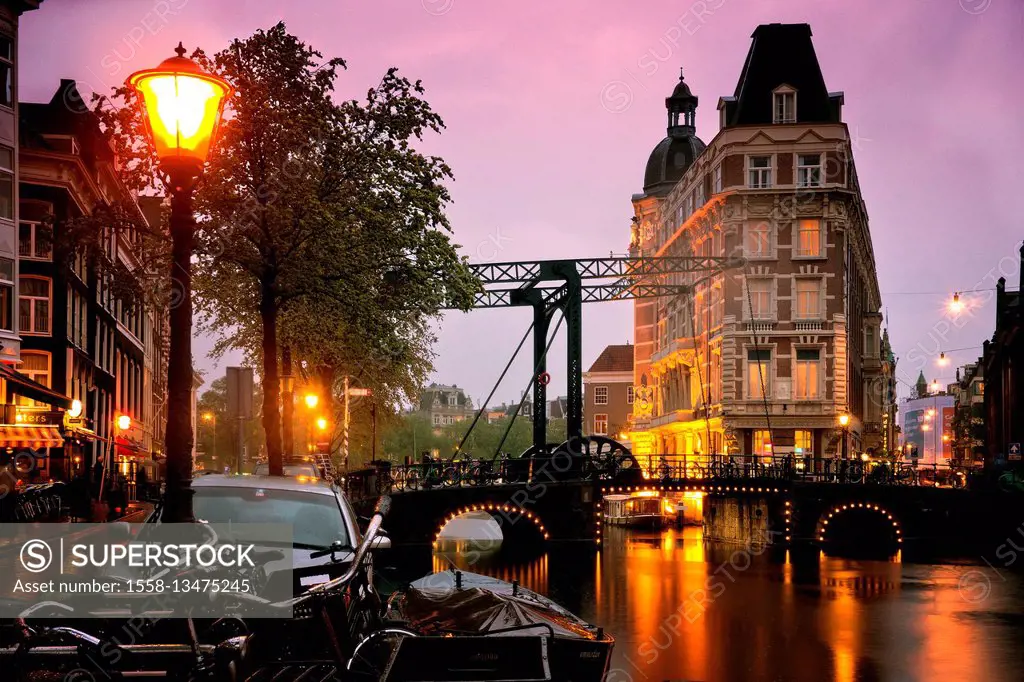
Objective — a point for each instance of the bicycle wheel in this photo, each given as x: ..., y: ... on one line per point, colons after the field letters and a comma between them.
x: 450, y: 477
x: 413, y: 479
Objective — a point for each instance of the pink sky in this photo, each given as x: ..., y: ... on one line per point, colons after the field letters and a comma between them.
x: 553, y: 107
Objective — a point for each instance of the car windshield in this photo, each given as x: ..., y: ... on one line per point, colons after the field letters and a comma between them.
x: 289, y: 470
x: 316, y: 519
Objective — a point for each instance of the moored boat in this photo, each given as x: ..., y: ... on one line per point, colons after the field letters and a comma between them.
x: 498, y: 630
x: 633, y: 511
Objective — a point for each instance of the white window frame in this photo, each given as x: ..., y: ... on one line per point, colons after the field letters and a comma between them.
x: 8, y: 173
x: 780, y: 97
x: 600, y: 395
x: 11, y: 285
x: 764, y: 173
x: 599, y: 419
x: 809, y: 450
x: 748, y: 300
x: 698, y: 195
x: 805, y: 172
x: 630, y: 394
x: 799, y: 231
x: 819, y: 312
x: 453, y: 400
x: 32, y: 330
x: 807, y: 390
x: 33, y: 242
x: 768, y: 253
x: 765, y: 438
x: 752, y: 383
x: 716, y: 179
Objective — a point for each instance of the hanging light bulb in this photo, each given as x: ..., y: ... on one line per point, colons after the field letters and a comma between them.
x: 935, y: 386
x: 943, y: 360
x: 956, y: 305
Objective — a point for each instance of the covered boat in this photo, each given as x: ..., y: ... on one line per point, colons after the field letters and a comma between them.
x: 492, y: 630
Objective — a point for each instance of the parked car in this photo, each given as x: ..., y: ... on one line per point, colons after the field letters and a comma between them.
x: 307, y: 469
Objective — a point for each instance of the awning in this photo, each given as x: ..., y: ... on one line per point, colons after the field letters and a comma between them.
x: 32, y: 437
x: 33, y: 389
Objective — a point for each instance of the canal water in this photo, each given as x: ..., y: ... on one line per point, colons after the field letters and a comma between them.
x: 682, y: 608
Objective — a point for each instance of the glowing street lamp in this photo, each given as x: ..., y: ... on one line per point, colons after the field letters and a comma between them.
x: 321, y: 424
x: 124, y: 422
x: 844, y: 421
x: 943, y: 360
x: 182, y: 106
x: 76, y: 409
x: 956, y: 306
x: 312, y: 400
x: 936, y: 387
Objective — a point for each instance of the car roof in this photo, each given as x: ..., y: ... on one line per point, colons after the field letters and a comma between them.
x: 294, y: 483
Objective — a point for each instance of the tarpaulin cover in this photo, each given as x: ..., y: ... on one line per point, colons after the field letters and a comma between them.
x: 435, y: 605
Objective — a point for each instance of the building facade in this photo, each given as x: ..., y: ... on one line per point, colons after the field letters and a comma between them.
x: 928, y: 429
x: 761, y: 359
x: 608, y: 392
x: 104, y: 353
x: 1004, y: 392
x: 969, y: 414
x: 444, y: 405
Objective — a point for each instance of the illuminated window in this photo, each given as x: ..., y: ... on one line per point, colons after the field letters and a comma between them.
x: 808, y: 299
x: 784, y: 107
x: 758, y: 374
x: 34, y: 305
x: 762, y: 442
x: 36, y: 366
x: 808, y: 238
x: 600, y: 395
x: 808, y: 373
x: 6, y: 294
x: 758, y: 240
x: 808, y: 170
x: 804, y: 443
x: 759, y: 172
x: 759, y: 299
x: 601, y: 424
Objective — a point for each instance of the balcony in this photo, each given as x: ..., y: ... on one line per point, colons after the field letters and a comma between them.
x: 759, y: 325
x: 808, y: 325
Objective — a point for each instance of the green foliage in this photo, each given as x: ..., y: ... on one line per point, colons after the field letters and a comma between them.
x: 217, y: 435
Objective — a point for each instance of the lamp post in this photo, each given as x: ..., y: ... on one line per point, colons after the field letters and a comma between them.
x: 844, y: 422
x: 181, y: 104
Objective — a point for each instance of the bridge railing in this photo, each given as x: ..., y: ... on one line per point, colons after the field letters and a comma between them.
x: 387, y: 478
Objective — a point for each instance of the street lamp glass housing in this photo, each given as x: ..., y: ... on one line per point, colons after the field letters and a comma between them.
x: 321, y: 424
x: 844, y: 420
x: 76, y: 409
x: 124, y: 422
x: 312, y: 400
x: 182, y: 106
x: 956, y: 305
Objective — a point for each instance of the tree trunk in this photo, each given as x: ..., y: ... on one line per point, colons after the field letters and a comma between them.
x: 288, y: 402
x: 271, y: 387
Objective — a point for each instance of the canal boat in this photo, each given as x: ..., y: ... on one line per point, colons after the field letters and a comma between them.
x: 633, y: 511
x: 457, y: 623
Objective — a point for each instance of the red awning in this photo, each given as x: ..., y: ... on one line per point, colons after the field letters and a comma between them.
x: 33, y: 437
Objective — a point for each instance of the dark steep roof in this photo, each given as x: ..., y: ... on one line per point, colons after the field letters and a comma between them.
x: 614, y: 359
x: 781, y: 54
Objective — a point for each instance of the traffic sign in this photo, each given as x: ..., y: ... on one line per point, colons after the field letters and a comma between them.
x: 1014, y: 452
x: 359, y: 392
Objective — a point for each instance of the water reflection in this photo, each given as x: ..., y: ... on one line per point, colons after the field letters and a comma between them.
x: 686, y: 609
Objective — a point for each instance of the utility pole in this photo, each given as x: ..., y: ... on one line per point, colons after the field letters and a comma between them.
x: 373, y: 428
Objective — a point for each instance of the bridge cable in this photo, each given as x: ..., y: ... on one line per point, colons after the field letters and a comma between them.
x: 760, y: 371
x: 529, y: 386
x: 696, y: 359
x: 486, y: 402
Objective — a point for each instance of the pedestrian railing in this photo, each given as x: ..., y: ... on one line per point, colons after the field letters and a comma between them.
x: 387, y: 478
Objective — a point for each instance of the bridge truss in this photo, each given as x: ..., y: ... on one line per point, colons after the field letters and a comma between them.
x: 549, y: 286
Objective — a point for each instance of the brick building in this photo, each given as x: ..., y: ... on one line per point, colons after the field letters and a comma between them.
x: 761, y: 359
x: 608, y: 392
x: 1003, y: 390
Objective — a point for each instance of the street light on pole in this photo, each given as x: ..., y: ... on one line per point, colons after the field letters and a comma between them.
x: 182, y: 105
x: 844, y: 422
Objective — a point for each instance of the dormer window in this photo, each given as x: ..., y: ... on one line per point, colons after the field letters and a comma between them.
x: 784, y: 105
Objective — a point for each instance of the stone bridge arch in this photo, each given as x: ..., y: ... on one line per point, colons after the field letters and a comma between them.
x: 518, y: 525
x: 862, y: 525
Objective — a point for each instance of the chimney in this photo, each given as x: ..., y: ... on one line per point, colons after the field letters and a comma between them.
x: 1022, y: 267
x: 1000, y: 300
